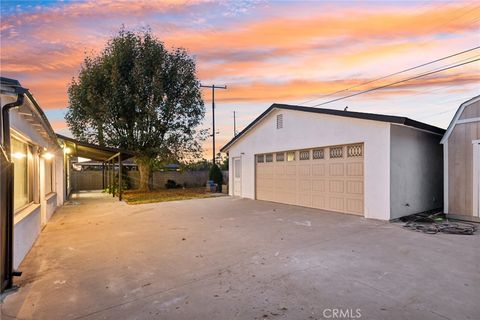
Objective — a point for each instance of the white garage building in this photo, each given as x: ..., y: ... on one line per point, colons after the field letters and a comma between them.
x: 377, y: 166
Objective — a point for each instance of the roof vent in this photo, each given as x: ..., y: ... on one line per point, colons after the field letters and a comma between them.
x: 279, y: 121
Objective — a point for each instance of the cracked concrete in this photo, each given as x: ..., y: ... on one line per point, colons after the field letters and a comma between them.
x: 227, y: 258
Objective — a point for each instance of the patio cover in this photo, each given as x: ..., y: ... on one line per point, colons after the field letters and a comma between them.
x: 92, y: 151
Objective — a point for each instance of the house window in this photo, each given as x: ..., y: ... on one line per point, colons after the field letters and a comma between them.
x: 260, y: 158
x: 355, y: 150
x: 291, y: 156
x: 269, y: 157
x: 49, y: 176
x: 237, y: 168
x: 305, y: 155
x: 23, y: 174
x: 279, y: 121
x: 280, y: 156
x: 336, y: 152
x: 318, y: 154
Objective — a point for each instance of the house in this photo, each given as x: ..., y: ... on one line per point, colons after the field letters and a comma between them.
x: 35, y: 173
x: 28, y: 141
x: 372, y: 165
x: 461, y: 150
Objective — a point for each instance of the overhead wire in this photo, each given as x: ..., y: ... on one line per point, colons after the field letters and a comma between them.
x: 397, y: 82
x: 475, y: 7
x: 395, y: 73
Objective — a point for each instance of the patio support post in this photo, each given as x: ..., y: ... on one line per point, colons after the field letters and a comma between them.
x: 120, y: 189
x: 103, y: 175
x: 107, y: 175
x: 113, y: 177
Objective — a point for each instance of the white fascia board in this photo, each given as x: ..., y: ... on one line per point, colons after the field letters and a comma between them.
x: 457, y: 116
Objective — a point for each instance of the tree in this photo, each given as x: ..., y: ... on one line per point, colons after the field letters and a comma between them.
x: 222, y: 159
x: 137, y: 95
x: 216, y: 175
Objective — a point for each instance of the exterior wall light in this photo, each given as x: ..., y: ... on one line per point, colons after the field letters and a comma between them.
x: 47, y: 155
x: 18, y: 155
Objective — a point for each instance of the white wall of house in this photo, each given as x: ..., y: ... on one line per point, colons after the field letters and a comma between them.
x: 309, y: 130
x: 30, y: 218
x: 416, y: 171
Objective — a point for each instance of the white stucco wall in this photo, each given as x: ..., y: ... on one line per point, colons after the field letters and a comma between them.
x: 25, y: 233
x: 416, y: 171
x: 28, y: 222
x: 308, y: 130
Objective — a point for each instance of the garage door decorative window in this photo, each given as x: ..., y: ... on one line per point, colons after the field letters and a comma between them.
x: 336, y: 152
x: 269, y: 157
x: 318, y: 154
x: 280, y: 157
x: 260, y: 158
x: 305, y: 155
x: 354, y: 150
x: 291, y: 156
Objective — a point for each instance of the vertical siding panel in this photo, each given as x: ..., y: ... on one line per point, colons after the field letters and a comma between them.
x: 460, y: 162
x: 470, y: 132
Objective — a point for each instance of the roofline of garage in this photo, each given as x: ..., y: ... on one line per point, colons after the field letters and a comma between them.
x: 350, y: 114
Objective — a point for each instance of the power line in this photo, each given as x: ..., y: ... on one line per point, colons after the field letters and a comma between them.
x: 393, y: 74
x: 396, y: 82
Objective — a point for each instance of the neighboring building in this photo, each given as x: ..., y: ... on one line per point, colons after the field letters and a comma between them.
x: 372, y: 165
x: 38, y: 163
x: 461, y: 151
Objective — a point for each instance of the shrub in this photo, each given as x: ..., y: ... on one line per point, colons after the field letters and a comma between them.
x: 217, y: 176
x: 171, y: 184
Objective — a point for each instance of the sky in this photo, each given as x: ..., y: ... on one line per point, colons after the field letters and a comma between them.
x: 295, y: 52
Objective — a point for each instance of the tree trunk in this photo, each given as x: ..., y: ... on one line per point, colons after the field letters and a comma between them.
x: 145, y: 171
x: 101, y: 140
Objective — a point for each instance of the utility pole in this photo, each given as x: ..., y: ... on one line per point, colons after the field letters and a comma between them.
x: 213, y: 87
x: 234, y: 125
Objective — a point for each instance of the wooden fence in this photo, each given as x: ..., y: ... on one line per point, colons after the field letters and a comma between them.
x: 92, y: 180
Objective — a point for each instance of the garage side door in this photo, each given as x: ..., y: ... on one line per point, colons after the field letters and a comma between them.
x: 329, y: 178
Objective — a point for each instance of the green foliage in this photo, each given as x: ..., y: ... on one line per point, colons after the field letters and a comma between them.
x: 223, y: 159
x: 139, y: 96
x: 216, y: 175
x: 199, y: 165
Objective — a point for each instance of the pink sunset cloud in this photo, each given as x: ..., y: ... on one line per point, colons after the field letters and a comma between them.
x: 265, y: 52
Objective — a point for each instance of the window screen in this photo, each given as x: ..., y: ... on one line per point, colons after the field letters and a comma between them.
x: 49, y: 176
x: 237, y: 168
x: 22, y: 177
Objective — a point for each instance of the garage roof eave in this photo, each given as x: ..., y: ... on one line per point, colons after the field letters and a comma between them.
x: 350, y: 114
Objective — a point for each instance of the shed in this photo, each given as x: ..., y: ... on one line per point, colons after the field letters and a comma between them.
x: 372, y: 165
x: 461, y: 149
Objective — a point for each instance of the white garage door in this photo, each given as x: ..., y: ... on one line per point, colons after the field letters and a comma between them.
x: 329, y: 178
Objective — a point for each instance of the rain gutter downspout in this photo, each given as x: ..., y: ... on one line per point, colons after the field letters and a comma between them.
x: 6, y: 121
x: 6, y: 142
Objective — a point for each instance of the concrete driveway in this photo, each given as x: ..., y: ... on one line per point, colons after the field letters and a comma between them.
x: 227, y: 258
